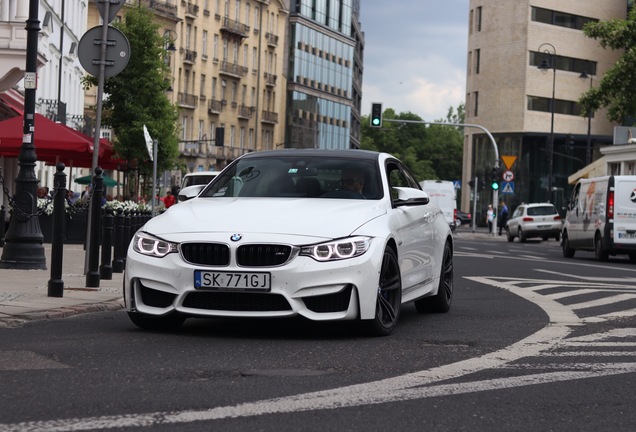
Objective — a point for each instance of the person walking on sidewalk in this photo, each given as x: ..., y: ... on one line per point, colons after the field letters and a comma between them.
x: 490, y: 217
x: 503, y: 216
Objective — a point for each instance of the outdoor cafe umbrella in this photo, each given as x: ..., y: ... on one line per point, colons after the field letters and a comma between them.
x: 108, y: 182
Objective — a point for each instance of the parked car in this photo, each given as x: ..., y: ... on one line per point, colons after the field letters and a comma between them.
x: 534, y: 220
x: 463, y: 218
x: 281, y: 233
x: 601, y: 218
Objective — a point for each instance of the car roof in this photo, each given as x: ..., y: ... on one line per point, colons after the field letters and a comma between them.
x: 348, y: 153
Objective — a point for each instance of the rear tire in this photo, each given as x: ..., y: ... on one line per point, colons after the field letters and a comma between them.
x: 441, y: 302
x: 157, y: 323
x: 557, y: 237
x: 522, y: 236
x: 599, y: 253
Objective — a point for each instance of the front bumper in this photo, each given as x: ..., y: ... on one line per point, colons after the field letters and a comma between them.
x: 336, y: 290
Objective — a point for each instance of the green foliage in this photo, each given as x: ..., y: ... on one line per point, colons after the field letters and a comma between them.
x: 136, y: 96
x: 614, y: 91
x: 431, y: 151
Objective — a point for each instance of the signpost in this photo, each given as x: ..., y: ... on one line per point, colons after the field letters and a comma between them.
x: 104, y: 52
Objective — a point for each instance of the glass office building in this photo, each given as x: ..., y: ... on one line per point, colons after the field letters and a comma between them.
x: 324, y: 75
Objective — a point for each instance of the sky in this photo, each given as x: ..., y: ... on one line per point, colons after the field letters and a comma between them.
x: 414, y: 55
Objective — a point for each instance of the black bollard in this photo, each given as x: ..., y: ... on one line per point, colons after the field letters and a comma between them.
x: 127, y: 232
x: 92, y: 275
x: 56, y: 284
x: 119, y: 251
x: 106, y: 269
x: 3, y: 215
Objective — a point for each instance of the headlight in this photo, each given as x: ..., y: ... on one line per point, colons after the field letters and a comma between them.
x: 149, y: 245
x: 337, y: 249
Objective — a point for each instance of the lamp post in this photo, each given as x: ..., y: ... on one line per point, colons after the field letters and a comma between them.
x: 23, y: 248
x: 588, y: 148
x: 549, y: 49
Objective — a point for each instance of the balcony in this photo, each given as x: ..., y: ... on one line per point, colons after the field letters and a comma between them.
x: 272, y: 39
x: 162, y: 8
x: 233, y: 69
x: 270, y: 79
x: 215, y: 106
x: 191, y: 10
x: 234, y: 28
x: 189, y: 57
x: 269, y: 117
x: 246, y: 112
x: 187, y: 100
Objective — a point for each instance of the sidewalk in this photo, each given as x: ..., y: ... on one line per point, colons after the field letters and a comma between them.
x: 24, y: 293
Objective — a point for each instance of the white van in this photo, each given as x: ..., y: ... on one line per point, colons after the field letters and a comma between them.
x: 442, y: 194
x: 601, y: 217
x: 197, y: 178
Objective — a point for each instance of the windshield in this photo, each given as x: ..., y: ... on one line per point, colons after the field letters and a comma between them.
x: 298, y: 177
x: 197, y: 179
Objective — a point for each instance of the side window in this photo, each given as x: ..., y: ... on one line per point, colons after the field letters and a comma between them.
x: 397, y: 178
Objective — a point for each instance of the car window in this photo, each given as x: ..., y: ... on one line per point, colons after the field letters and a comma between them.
x: 541, y: 210
x: 296, y: 177
x: 518, y: 212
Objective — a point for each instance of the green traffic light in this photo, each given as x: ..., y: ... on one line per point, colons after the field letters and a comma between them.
x: 494, y: 185
x: 376, y: 121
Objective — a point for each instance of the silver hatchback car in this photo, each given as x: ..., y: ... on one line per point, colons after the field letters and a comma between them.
x: 534, y: 220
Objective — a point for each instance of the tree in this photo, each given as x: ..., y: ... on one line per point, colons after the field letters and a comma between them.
x: 431, y: 152
x: 136, y: 96
x: 615, y: 89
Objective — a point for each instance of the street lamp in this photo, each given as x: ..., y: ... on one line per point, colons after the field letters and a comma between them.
x: 549, y: 49
x: 588, y: 149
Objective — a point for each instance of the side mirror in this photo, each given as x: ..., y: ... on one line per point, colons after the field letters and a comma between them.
x: 410, y: 197
x: 189, y: 192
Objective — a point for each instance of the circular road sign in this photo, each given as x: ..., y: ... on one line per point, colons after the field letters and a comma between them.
x: 117, y: 51
x: 508, y: 176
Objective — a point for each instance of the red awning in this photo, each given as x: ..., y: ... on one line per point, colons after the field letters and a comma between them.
x: 55, y: 142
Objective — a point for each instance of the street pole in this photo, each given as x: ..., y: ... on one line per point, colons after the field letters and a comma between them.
x: 550, y: 50
x: 23, y: 247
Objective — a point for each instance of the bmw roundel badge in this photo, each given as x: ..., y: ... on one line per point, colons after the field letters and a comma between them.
x: 236, y: 237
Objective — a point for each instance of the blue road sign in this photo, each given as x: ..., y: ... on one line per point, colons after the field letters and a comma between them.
x: 457, y: 184
x: 508, y: 188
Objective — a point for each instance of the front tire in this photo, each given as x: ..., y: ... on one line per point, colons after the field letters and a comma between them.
x: 568, y: 252
x: 441, y: 302
x: 389, y: 297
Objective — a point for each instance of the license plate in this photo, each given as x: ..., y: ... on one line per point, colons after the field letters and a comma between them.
x: 543, y: 226
x: 240, y: 281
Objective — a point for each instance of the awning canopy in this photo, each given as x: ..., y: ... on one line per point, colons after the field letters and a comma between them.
x: 55, y: 142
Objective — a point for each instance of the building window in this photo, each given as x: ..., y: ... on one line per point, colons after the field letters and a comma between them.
x: 477, y: 60
x: 560, y: 19
x: 475, y: 104
x: 569, y: 64
x: 536, y: 103
x: 204, y: 44
x: 478, y: 19
x: 215, y: 47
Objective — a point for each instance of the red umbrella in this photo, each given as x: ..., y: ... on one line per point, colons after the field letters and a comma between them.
x: 55, y: 142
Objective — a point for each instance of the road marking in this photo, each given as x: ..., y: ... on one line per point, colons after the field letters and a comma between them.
x: 604, y: 301
x: 550, y: 340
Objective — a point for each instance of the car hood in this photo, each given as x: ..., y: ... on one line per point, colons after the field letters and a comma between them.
x: 326, y: 218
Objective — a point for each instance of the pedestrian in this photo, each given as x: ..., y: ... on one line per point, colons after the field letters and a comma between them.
x: 490, y: 217
x: 503, y: 216
x: 169, y: 199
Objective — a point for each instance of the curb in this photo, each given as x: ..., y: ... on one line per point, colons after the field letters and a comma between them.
x: 17, y: 321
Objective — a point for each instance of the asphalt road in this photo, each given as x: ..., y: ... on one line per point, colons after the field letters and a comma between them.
x: 533, y: 342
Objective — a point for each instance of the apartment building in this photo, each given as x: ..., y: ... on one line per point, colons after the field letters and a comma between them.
x: 528, y: 64
x: 324, y: 90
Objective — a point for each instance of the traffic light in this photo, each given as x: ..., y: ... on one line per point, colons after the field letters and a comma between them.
x: 376, y: 115
x: 495, y: 176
